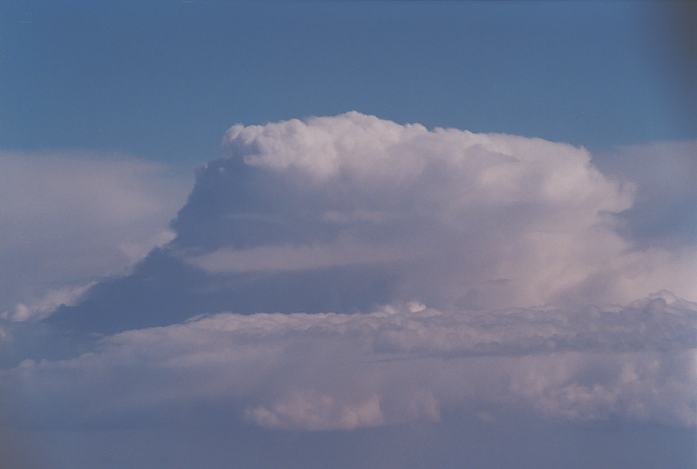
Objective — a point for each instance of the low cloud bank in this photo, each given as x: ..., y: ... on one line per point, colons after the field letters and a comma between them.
x: 398, y: 364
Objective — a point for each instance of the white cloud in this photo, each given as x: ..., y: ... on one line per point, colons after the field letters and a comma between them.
x: 397, y: 364
x: 43, y: 306
x: 484, y: 228
x: 342, y: 213
x: 476, y: 220
x: 313, y: 411
x: 69, y: 219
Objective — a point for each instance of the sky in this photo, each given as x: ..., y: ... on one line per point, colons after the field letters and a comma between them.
x: 163, y: 79
x: 348, y: 234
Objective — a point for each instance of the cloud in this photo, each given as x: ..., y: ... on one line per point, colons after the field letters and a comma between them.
x: 347, y: 212
x: 401, y: 363
x: 45, y: 305
x: 289, y: 258
x: 663, y: 212
x: 307, y: 226
x: 70, y: 219
x: 483, y: 220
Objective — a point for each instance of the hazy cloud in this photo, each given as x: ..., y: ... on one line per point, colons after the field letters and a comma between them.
x: 664, y: 173
x: 289, y: 258
x: 43, y: 306
x: 69, y: 219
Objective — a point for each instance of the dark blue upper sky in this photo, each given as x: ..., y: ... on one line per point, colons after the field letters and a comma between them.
x: 164, y: 79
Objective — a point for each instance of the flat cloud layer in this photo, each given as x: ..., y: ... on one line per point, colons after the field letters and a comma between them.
x: 398, y: 364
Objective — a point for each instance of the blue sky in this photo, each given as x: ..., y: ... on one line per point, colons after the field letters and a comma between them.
x: 359, y: 235
x: 163, y: 79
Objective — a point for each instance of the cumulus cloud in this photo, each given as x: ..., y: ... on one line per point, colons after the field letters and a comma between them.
x: 476, y: 220
x: 508, y: 240
x: 69, y: 219
x: 398, y: 364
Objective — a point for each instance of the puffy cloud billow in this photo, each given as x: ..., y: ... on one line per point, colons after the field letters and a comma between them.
x: 475, y: 220
x: 348, y: 212
x: 347, y: 272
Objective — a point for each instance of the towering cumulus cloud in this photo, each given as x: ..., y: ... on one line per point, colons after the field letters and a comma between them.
x: 348, y: 212
x: 474, y: 220
x: 344, y: 272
